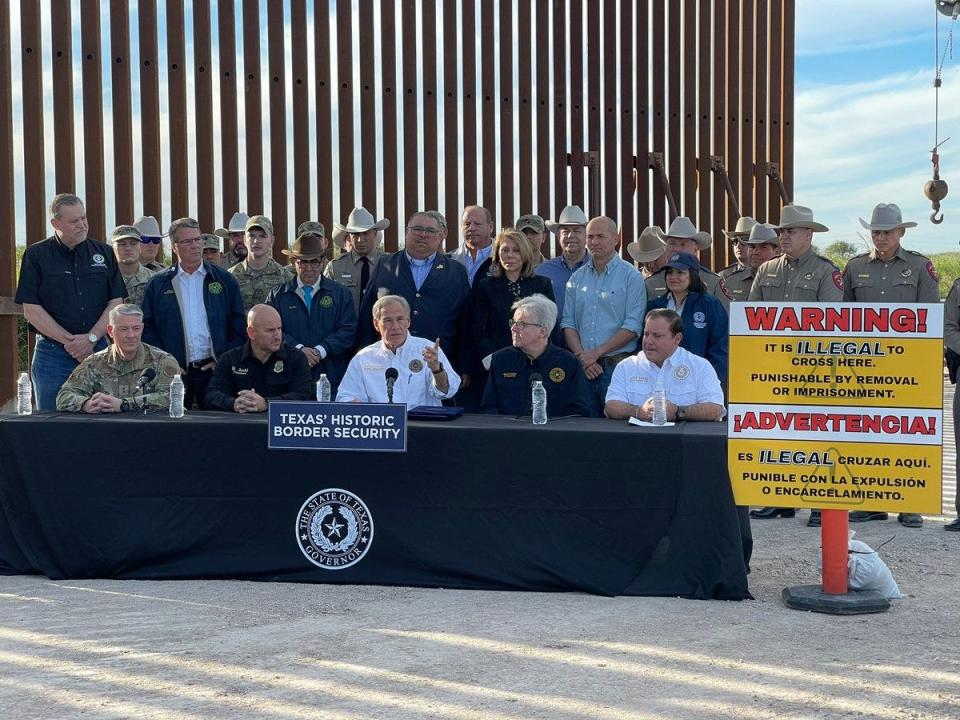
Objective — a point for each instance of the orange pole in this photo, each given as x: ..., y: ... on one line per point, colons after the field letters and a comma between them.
x: 834, y: 538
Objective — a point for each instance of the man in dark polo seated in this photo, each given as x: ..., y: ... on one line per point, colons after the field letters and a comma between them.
x: 261, y: 369
x: 508, y: 389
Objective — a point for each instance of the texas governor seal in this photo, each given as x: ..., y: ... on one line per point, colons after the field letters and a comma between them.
x: 334, y: 529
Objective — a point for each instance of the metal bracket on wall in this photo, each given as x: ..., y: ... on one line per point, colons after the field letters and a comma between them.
x: 773, y: 172
x: 717, y: 166
x: 655, y: 163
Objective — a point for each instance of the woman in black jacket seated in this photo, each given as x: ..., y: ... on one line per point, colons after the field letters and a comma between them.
x: 511, y: 278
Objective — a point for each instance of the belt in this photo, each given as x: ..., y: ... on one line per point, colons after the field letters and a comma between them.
x: 612, y: 360
x: 197, y: 364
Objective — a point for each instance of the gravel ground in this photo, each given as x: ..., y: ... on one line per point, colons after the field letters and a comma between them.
x: 109, y: 649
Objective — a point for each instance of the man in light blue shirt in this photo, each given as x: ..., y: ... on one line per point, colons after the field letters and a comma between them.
x: 603, y: 310
x: 476, y: 227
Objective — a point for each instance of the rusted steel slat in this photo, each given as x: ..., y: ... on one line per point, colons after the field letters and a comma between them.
x: 122, y: 112
x: 625, y: 184
x: 227, y: 111
x: 608, y: 110
x: 704, y: 128
x: 253, y: 105
x: 561, y: 142
x: 688, y: 122
x: 719, y: 117
x: 177, y: 89
x: 61, y: 55
x: 525, y: 105
x: 203, y: 115
x: 31, y: 67
x: 747, y: 124
x: 9, y: 350
x: 428, y: 63
x: 732, y: 156
x: 673, y: 160
x: 641, y: 172
x: 488, y: 107
x: 451, y: 112
x: 789, y: 28
x: 301, y: 120
x: 278, y: 126
x: 92, y: 117
x: 506, y: 103
x: 151, y: 163
x: 575, y: 143
x: 321, y: 28
x: 345, y: 169
x: 541, y: 111
x: 368, y: 120
x: 658, y: 91
x: 775, y: 148
x: 761, y: 114
x: 388, y: 73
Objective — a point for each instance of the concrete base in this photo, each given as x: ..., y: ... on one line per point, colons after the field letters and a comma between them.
x: 814, y: 599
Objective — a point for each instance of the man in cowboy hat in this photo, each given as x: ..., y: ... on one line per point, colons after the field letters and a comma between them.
x: 650, y: 251
x: 259, y: 273
x: 354, y: 268
x: 683, y: 236
x: 799, y: 274
x: 476, y: 229
x: 312, y: 227
x: 435, y: 287
x: 317, y: 313
x: 762, y: 244
x: 193, y: 311
x: 151, y: 243
x: 234, y: 241
x: 738, y: 277
x: 126, y: 247
x: 889, y: 273
x: 571, y: 231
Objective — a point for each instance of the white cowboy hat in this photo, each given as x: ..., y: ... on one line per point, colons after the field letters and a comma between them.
x: 886, y: 217
x: 742, y: 230
x: 360, y: 220
x: 237, y: 224
x: 649, y: 246
x: 570, y: 215
x: 798, y: 216
x: 148, y: 226
x: 762, y: 233
x: 683, y: 227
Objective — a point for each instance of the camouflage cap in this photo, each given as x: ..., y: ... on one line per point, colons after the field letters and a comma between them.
x: 125, y: 231
x: 530, y: 222
x: 210, y: 241
x: 311, y: 227
x: 259, y: 221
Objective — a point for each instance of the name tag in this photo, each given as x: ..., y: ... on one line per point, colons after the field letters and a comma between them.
x: 509, y: 374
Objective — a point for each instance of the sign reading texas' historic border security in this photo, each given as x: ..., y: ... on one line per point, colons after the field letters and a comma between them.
x: 836, y: 406
x: 337, y: 426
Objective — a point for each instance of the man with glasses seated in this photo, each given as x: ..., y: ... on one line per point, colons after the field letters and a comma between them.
x: 317, y: 312
x: 112, y: 380
x: 508, y: 389
x: 435, y: 287
x: 126, y: 247
x: 193, y: 311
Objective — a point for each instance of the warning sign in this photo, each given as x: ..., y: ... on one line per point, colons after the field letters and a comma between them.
x: 836, y: 406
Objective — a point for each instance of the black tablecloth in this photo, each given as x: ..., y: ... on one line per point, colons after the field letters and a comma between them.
x: 481, y: 502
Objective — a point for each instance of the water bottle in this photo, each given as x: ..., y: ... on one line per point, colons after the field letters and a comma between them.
x: 659, y: 404
x: 539, y: 403
x: 176, y: 397
x: 323, y: 388
x: 24, y: 395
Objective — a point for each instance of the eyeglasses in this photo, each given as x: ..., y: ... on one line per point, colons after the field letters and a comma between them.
x: 189, y: 241
x: 523, y: 325
x: 147, y: 240
x: 313, y: 261
x: 421, y: 230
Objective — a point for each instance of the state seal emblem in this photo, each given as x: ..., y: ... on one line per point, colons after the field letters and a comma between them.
x: 326, y: 301
x: 681, y: 372
x: 334, y: 529
x: 216, y: 288
x: 278, y: 367
x: 557, y: 375
x: 415, y: 365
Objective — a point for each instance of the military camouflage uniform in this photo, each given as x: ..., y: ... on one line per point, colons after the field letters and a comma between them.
x: 907, y: 277
x: 657, y: 285
x: 738, y: 279
x: 229, y: 259
x: 137, y: 285
x: 255, y: 285
x: 107, y: 372
x: 809, y: 278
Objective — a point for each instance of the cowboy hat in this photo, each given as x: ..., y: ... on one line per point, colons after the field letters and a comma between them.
x: 886, y: 217
x: 762, y: 233
x: 360, y: 220
x: 649, y: 246
x: 237, y: 224
x: 798, y: 216
x: 570, y: 215
x: 148, y: 226
x: 744, y: 224
x: 683, y: 227
x: 308, y: 247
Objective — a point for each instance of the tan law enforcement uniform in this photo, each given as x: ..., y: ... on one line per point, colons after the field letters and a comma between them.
x: 347, y: 269
x: 907, y: 277
x: 107, y: 372
x: 137, y: 284
x: 657, y: 285
x: 255, y: 284
x: 738, y: 280
x: 810, y: 278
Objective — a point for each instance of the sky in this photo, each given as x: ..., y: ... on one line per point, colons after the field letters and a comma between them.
x: 864, y: 118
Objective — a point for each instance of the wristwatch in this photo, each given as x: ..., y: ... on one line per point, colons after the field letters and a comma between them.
x: 92, y: 337
x: 681, y: 412
x: 438, y: 370
x: 124, y: 406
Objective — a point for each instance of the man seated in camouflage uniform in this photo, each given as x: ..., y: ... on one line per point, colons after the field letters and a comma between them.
x: 259, y: 273
x: 126, y: 246
x: 118, y: 379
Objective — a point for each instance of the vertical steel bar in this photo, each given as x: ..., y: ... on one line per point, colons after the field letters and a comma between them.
x: 451, y: 112
x: 471, y: 93
x: 92, y: 74
x: 561, y: 141
x: 625, y: 184
x: 542, y: 110
x: 525, y: 105
x: 368, y: 120
x: 151, y: 163
x: 507, y: 159
x: 228, y: 109
x: 673, y: 160
x: 689, y: 118
x: 321, y: 28
x: 761, y: 113
x: 774, y: 201
x: 388, y: 72
x: 659, y: 91
x: 411, y: 154
x: 253, y: 105
x: 345, y: 171
x: 575, y: 143
x: 177, y: 90
x: 641, y: 171
x: 704, y: 128
x: 732, y: 157
x: 747, y: 94
x: 61, y: 21
x: 31, y: 68
x: 276, y: 53
x: 203, y: 113
x: 9, y: 348
x: 122, y: 112
x: 789, y: 40
x: 720, y: 80
x: 488, y: 107
x: 608, y: 110
x: 428, y: 63
x: 301, y: 119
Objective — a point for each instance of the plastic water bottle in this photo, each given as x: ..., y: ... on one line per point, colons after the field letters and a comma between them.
x: 659, y: 404
x: 539, y: 403
x: 176, y: 397
x: 323, y: 388
x: 24, y: 395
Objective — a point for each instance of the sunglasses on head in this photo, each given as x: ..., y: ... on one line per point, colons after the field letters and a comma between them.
x: 147, y: 240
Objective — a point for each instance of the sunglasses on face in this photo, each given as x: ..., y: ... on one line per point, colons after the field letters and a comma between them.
x: 146, y: 240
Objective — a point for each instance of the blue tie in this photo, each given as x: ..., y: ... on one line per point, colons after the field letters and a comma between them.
x: 307, y: 295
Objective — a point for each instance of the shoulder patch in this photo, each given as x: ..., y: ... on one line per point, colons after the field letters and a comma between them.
x: 838, y: 279
x: 723, y: 288
x: 932, y: 270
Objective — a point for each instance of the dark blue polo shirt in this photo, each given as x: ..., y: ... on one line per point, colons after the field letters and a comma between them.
x: 74, y: 286
x: 508, y: 385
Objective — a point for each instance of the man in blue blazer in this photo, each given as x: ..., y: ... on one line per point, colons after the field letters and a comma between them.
x: 193, y: 310
x: 435, y: 286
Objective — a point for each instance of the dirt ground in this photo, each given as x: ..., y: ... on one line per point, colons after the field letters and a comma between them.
x: 107, y: 649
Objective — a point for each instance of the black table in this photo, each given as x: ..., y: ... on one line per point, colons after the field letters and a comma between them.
x: 482, y: 502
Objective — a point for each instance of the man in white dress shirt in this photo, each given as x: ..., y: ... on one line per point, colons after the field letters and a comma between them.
x: 690, y: 382
x: 424, y: 374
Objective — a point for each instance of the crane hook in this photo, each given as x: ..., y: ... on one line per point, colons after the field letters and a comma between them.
x: 934, y: 216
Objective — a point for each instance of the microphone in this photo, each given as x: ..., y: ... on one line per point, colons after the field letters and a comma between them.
x: 391, y: 375
x: 148, y: 376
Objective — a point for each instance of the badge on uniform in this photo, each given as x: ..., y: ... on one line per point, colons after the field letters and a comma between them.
x: 99, y: 260
x: 557, y: 375
x: 681, y: 372
x: 863, y: 275
x: 440, y: 266
x: 216, y: 288
x: 699, y: 320
x: 933, y: 271
x: 326, y: 301
x: 278, y: 367
x: 239, y: 370
x: 808, y: 276
x: 906, y: 273
x: 415, y: 365
x: 509, y: 374
x: 838, y: 279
